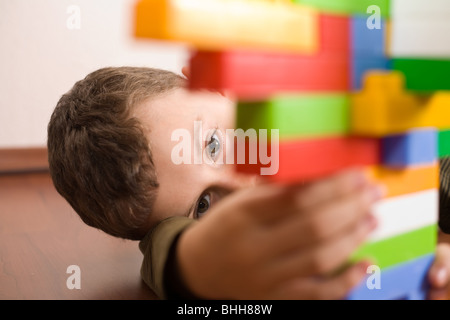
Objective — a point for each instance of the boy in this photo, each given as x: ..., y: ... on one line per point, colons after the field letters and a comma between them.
x: 111, y: 148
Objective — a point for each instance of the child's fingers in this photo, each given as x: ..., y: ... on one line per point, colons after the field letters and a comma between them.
x: 265, y: 204
x: 339, y: 286
x: 438, y: 294
x: 302, y: 230
x: 324, y: 257
x: 325, y: 190
x: 273, y: 203
x: 320, y: 288
x: 439, y: 274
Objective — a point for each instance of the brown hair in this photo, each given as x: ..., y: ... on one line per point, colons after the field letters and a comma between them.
x: 99, y: 156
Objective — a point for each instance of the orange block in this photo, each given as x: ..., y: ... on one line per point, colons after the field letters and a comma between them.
x: 404, y: 181
x: 220, y: 24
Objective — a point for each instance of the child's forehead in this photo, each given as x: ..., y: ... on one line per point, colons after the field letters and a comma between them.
x: 182, y: 102
x: 181, y: 108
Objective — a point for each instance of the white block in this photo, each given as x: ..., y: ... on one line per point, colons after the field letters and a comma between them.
x: 420, y: 29
x: 420, y: 39
x: 420, y: 9
x: 405, y: 213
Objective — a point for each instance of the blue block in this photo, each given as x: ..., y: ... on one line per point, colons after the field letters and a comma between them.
x: 368, y: 49
x: 365, y: 42
x: 405, y: 281
x: 361, y: 65
x: 418, y: 147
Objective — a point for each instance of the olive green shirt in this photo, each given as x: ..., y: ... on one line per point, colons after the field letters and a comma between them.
x: 159, y: 270
x: 158, y: 247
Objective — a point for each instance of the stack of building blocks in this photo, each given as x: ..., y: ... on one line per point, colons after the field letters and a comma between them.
x: 341, y: 94
x: 239, y: 71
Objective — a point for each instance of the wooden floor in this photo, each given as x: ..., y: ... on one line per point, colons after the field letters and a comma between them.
x: 41, y: 236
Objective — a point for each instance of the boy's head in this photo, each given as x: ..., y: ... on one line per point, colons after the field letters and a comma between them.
x: 111, y: 143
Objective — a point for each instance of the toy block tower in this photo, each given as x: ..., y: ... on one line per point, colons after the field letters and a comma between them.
x: 342, y: 90
x: 408, y: 110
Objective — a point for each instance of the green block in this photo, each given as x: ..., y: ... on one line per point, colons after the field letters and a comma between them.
x: 348, y: 7
x: 444, y: 143
x: 298, y: 115
x: 401, y: 248
x: 424, y: 76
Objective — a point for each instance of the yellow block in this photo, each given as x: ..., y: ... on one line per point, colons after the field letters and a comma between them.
x: 218, y: 24
x: 404, y: 181
x: 384, y: 107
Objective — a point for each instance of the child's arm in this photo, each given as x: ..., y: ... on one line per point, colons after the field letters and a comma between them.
x: 271, y: 242
x: 274, y: 242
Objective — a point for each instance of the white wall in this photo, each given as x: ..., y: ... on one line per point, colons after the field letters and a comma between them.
x: 41, y: 58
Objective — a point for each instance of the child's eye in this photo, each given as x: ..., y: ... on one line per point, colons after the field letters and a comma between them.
x: 203, y: 205
x: 213, y: 147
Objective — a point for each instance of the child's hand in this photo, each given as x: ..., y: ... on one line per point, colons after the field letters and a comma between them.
x: 275, y: 242
x: 439, y: 274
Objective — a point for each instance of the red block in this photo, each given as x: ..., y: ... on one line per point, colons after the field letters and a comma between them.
x: 255, y: 75
x: 305, y: 160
